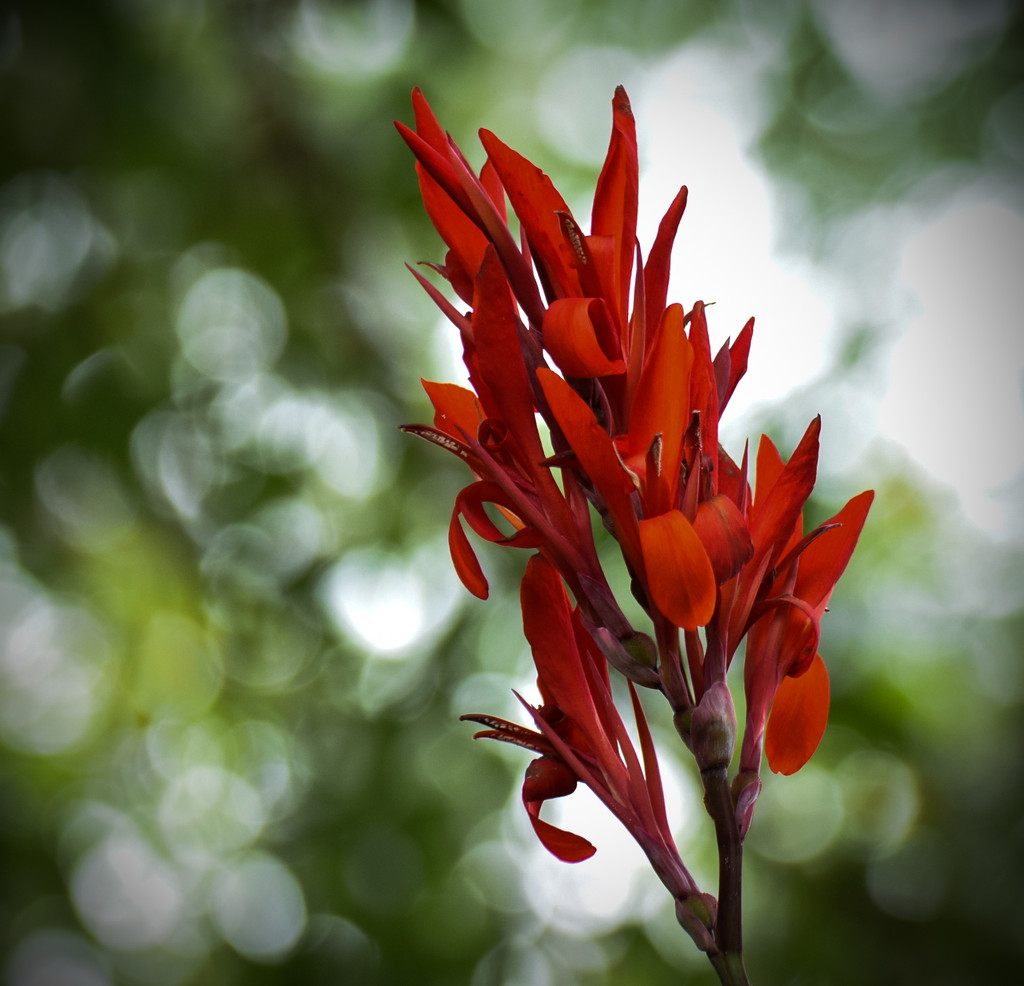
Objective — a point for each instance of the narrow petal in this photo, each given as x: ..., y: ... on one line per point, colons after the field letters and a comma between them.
x: 426, y: 122
x: 436, y: 163
x: 656, y: 270
x: 460, y: 321
x: 548, y: 628
x: 703, y: 386
x: 661, y: 404
x: 499, y: 360
x: 652, y: 772
x: 679, y: 574
x: 615, y: 201
x: 460, y: 233
x: 798, y: 719
x: 537, y: 204
x: 775, y: 512
x: 492, y: 183
x: 738, y: 354
x: 596, y: 455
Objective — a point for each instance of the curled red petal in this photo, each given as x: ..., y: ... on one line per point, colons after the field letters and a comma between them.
x: 548, y: 777
x: 572, y: 336
x: 467, y: 566
x: 567, y: 846
x: 798, y: 719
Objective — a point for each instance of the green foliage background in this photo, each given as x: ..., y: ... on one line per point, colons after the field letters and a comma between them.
x: 208, y: 773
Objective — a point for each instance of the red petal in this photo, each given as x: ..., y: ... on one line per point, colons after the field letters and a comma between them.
x: 572, y: 338
x: 537, y: 203
x: 679, y: 574
x: 703, y: 387
x: 499, y: 360
x: 567, y: 846
x: 776, y: 510
x: 596, y: 455
x: 463, y: 237
x: 656, y: 270
x: 426, y: 123
x: 549, y: 630
x: 826, y: 559
x: 547, y: 777
x: 438, y: 165
x: 456, y: 409
x: 615, y: 201
x: 738, y: 354
x: 492, y: 183
x: 723, y: 532
x: 798, y: 719
x: 661, y: 404
x: 466, y: 564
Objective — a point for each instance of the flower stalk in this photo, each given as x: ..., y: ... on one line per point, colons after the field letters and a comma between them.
x: 574, y: 330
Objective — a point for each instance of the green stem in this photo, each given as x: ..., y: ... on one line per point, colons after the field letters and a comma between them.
x: 728, y: 962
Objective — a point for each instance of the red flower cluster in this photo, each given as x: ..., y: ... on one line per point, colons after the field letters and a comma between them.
x: 575, y: 328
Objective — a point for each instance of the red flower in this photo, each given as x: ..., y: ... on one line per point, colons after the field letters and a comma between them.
x: 575, y: 327
x: 636, y: 408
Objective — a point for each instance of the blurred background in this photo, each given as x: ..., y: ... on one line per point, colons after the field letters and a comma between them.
x: 232, y: 650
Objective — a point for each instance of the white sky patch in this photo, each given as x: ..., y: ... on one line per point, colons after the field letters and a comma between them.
x: 696, y: 124
x: 956, y: 375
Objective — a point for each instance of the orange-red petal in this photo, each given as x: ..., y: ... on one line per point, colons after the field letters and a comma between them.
x: 723, y: 532
x: 596, y: 455
x: 467, y: 567
x: 661, y: 405
x: 679, y: 574
x: 798, y: 719
x: 456, y: 409
x: 572, y: 337
x: 615, y: 201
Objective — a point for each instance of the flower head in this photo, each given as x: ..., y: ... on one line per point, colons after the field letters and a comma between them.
x: 574, y: 329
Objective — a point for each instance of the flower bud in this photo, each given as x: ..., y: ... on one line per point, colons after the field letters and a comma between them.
x: 713, y: 728
x: 746, y: 786
x: 697, y: 915
x: 630, y: 656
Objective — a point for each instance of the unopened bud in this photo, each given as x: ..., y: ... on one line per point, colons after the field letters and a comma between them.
x: 641, y: 648
x: 746, y: 786
x: 697, y: 915
x: 623, y: 655
x: 713, y: 728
